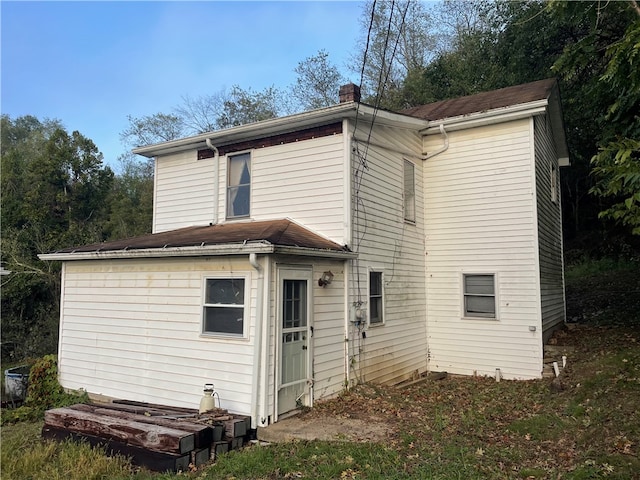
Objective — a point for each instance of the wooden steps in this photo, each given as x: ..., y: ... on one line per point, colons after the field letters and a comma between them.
x: 157, y: 437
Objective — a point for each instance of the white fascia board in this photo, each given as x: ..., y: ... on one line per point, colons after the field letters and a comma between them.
x: 312, y: 252
x: 489, y: 117
x: 289, y: 123
x: 194, y: 251
x: 197, y: 251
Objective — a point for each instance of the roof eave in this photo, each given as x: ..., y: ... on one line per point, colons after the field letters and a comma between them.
x: 283, y: 124
x: 197, y: 251
x: 488, y: 117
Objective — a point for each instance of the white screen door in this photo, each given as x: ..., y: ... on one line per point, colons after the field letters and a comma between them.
x: 294, y: 341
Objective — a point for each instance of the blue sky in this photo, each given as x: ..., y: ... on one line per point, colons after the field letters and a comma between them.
x: 90, y: 64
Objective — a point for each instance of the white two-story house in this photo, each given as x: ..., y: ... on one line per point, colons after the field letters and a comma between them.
x: 293, y: 257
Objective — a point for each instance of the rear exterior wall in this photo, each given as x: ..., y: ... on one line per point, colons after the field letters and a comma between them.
x: 394, y: 350
x: 132, y: 329
x: 303, y: 181
x: 480, y: 218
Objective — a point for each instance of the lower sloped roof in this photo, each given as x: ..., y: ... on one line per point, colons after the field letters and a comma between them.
x: 482, y: 102
x: 280, y: 233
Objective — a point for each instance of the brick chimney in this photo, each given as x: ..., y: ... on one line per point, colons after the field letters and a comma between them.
x: 349, y: 93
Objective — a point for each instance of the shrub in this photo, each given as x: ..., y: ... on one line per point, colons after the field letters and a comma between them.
x: 44, y: 392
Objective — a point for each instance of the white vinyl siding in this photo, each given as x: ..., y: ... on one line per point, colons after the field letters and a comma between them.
x: 132, y: 329
x: 479, y: 218
x: 549, y: 229
x: 385, y: 242
x: 300, y: 180
x: 183, y: 194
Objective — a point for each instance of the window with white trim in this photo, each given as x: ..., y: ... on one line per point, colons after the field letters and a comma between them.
x: 224, y: 307
x: 409, y: 191
x: 376, y: 298
x: 239, y: 185
x: 479, y: 295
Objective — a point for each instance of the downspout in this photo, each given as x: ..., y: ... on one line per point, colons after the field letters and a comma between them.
x: 216, y: 181
x: 444, y: 147
x: 258, y: 339
x: 264, y: 359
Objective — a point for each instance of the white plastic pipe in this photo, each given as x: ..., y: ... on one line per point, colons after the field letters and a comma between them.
x: 253, y: 260
x: 216, y: 180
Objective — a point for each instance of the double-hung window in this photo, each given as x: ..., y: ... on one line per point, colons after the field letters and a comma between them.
x: 479, y: 295
x: 376, y: 298
x: 224, y: 307
x: 239, y: 186
x: 409, y: 191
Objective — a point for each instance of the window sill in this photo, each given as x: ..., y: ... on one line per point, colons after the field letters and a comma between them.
x: 221, y: 336
x: 475, y: 319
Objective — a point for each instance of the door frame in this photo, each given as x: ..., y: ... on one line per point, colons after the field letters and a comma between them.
x: 293, y: 272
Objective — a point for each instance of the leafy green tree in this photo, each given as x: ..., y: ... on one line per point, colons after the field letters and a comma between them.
x: 54, y: 188
x: 131, y: 199
x: 318, y: 82
x: 397, y: 38
x: 617, y: 163
x: 246, y: 106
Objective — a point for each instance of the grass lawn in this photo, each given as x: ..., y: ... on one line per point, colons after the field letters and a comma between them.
x: 456, y: 428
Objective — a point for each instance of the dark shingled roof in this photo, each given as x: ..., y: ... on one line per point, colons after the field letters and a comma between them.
x: 276, y: 232
x: 481, y: 102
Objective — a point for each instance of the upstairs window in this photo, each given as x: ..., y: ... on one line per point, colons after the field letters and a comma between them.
x: 409, y: 191
x: 239, y: 186
x: 479, y: 296
x: 224, y: 307
x: 376, y: 299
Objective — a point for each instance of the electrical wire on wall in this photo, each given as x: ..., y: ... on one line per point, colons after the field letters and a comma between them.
x: 360, y: 156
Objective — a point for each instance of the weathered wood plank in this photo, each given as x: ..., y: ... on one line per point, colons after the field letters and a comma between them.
x: 151, y: 459
x: 219, y: 448
x: 153, y: 437
x: 167, y: 408
x: 200, y: 457
x: 147, y: 411
x: 203, y: 433
x: 218, y: 432
x: 235, y: 427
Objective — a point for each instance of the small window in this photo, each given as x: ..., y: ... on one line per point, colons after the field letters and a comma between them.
x: 554, y: 183
x: 239, y: 186
x: 479, y: 296
x: 224, y: 306
x: 376, y: 299
x: 409, y: 191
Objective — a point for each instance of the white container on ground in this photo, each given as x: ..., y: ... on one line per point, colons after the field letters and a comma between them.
x: 16, y: 380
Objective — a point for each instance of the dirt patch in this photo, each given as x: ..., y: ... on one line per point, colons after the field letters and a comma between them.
x: 329, y: 428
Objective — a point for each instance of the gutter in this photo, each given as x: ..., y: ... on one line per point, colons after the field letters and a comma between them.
x: 261, y: 247
x: 506, y: 114
x: 282, y: 124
